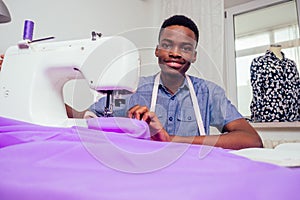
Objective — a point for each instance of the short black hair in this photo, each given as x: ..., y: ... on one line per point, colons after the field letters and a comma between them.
x: 180, y: 20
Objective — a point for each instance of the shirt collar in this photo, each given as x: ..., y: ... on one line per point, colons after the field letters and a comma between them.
x: 273, y: 56
x: 184, y: 86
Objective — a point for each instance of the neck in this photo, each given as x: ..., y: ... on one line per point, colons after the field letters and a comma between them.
x: 172, y: 82
x: 277, y: 51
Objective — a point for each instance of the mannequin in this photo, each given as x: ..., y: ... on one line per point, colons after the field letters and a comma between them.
x: 275, y: 86
x: 276, y: 49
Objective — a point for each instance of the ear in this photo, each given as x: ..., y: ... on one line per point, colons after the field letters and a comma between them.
x: 194, y: 57
x: 156, y: 51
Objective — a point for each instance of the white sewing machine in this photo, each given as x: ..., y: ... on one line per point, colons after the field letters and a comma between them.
x: 33, y: 75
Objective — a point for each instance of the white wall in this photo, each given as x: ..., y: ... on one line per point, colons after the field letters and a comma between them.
x: 69, y: 19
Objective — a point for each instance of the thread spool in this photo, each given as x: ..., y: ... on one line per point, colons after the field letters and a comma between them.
x: 28, y: 30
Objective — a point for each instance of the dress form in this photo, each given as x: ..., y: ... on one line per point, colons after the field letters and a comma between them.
x: 276, y: 49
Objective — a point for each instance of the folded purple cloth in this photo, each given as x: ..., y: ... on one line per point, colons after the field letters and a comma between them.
x: 132, y: 127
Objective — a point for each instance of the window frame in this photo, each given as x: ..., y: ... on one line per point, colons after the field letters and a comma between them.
x: 230, y: 57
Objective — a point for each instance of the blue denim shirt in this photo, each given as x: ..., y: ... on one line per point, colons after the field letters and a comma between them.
x: 176, y: 111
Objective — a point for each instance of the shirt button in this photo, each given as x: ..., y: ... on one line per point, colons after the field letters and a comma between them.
x: 189, y: 117
x: 173, y: 97
x: 171, y: 118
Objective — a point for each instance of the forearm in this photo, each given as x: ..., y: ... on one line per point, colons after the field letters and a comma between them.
x: 232, y: 140
x: 239, y: 134
x: 72, y: 113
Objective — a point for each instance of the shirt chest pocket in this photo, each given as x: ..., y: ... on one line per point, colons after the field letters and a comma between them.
x: 186, y: 115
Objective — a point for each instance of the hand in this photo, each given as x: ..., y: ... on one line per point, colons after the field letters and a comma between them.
x: 137, y: 112
x: 157, y: 131
x: 1, y: 60
x: 89, y: 114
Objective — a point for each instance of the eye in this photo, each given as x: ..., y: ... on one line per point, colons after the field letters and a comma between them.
x: 165, y: 45
x: 187, y: 48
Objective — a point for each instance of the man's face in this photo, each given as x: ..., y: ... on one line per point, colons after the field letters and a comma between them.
x: 176, y: 49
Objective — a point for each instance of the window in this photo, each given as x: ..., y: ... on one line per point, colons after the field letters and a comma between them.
x: 254, y: 27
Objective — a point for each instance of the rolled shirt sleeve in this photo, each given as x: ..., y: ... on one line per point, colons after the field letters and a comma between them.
x: 221, y: 110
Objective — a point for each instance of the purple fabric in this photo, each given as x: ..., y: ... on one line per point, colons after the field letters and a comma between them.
x: 39, y: 162
x: 131, y: 127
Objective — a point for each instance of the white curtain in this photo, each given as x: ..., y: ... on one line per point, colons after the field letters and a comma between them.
x: 208, y: 15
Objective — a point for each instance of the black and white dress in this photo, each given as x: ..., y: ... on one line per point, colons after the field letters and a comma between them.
x: 276, y: 89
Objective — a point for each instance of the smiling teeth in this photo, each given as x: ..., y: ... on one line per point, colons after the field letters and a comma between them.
x: 174, y: 64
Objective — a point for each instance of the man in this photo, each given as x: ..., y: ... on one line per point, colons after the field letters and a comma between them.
x: 181, y: 108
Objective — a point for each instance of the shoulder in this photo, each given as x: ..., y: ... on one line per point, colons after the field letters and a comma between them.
x: 205, y: 85
x: 146, y: 83
x: 262, y: 59
x: 290, y: 61
x: 146, y: 79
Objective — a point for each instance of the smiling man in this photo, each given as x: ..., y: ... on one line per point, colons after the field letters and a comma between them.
x: 181, y: 108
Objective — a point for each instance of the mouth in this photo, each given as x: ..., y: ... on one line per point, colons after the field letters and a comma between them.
x: 174, y: 63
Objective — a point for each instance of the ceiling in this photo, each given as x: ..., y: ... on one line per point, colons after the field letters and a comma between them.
x: 232, y: 3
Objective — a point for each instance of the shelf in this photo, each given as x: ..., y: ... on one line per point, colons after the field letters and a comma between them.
x: 292, y: 125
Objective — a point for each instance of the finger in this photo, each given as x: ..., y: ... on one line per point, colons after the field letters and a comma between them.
x: 147, y: 117
x: 131, y: 111
x: 138, y: 112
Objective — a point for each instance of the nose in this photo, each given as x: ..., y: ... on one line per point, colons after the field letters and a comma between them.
x: 175, y: 52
